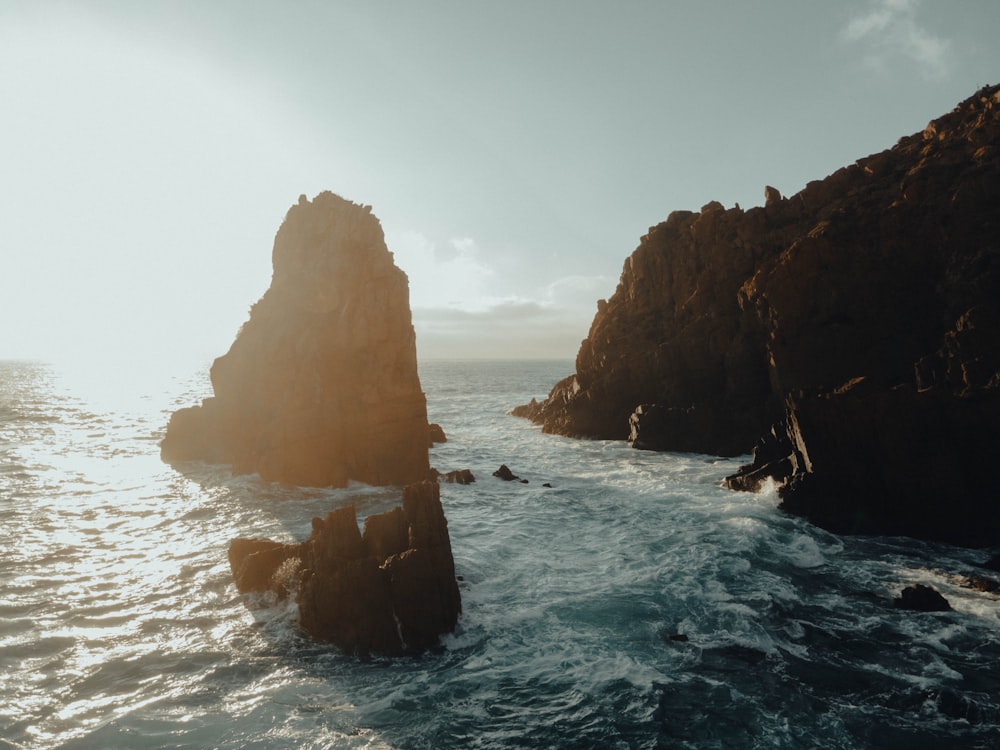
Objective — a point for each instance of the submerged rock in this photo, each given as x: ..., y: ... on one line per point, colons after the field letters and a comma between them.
x: 505, y: 473
x: 993, y: 563
x: 320, y: 386
x: 456, y: 476
x: 849, y: 334
x: 921, y: 598
x: 390, y: 590
x: 981, y: 583
x: 435, y: 433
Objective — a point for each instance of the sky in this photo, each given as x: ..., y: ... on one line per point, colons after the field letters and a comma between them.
x: 515, y: 152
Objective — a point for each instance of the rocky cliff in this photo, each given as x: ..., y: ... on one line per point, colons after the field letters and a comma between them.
x: 320, y: 386
x: 852, y: 329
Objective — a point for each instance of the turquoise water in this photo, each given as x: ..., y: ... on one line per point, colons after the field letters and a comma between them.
x: 120, y: 626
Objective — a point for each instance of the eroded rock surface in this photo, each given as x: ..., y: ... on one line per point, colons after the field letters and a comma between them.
x: 389, y: 590
x: 320, y: 386
x: 851, y: 332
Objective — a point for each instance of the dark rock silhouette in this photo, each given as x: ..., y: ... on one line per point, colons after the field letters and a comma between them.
x: 993, y: 563
x: 849, y: 334
x: 921, y: 598
x: 660, y: 428
x: 255, y: 563
x: 391, y: 590
x: 320, y: 386
x: 435, y: 433
x: 456, y: 476
x: 870, y: 460
x: 505, y: 473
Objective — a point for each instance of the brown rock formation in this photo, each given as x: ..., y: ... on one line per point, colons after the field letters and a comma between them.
x: 854, y: 325
x: 673, y: 334
x: 320, y: 386
x: 455, y: 476
x: 391, y: 590
x: 435, y: 434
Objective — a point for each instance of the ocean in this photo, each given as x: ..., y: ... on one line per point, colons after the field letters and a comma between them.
x: 634, y: 603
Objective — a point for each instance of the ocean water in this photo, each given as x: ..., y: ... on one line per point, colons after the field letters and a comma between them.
x: 120, y: 626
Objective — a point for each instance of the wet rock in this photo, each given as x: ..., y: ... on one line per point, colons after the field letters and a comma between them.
x: 505, y: 473
x: 456, y: 476
x: 869, y: 460
x: 921, y: 598
x: 254, y: 563
x: 993, y: 563
x: 774, y: 457
x: 435, y: 433
x: 981, y: 583
x: 851, y: 332
x: 530, y: 410
x: 390, y: 590
x: 320, y: 386
x: 459, y: 476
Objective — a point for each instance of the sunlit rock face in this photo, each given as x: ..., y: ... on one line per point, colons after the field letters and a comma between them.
x: 320, y: 386
x: 853, y: 327
x: 390, y: 590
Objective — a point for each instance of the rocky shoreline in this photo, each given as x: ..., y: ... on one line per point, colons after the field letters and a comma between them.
x: 849, y: 335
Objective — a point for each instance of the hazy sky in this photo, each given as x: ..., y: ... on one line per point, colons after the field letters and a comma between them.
x: 515, y: 152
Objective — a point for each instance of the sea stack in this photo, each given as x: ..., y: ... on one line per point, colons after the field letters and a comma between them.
x: 389, y: 590
x: 849, y: 334
x: 320, y: 386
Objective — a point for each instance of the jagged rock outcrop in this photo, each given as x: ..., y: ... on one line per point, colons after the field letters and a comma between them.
x: 850, y: 330
x: 435, y: 434
x: 865, y: 459
x: 673, y: 335
x: 455, y: 476
x: 921, y: 598
x: 320, y: 386
x: 391, y: 590
x: 506, y: 474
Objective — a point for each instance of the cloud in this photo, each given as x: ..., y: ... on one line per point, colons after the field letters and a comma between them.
x: 517, y: 328
x: 550, y: 327
x: 890, y: 31
x: 463, y: 307
x: 454, y: 274
x: 579, y: 291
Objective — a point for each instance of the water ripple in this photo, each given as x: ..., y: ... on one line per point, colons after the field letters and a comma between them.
x: 634, y: 603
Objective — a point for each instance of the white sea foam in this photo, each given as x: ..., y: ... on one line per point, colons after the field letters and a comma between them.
x: 119, y: 624
x: 804, y: 552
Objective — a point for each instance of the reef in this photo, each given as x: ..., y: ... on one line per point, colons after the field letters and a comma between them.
x: 390, y: 590
x: 848, y: 334
x: 320, y: 386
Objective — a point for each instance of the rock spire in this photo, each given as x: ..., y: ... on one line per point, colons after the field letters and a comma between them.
x: 320, y: 386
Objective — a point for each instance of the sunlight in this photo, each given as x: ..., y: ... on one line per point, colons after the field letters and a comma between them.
x: 455, y: 276
x: 131, y: 240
